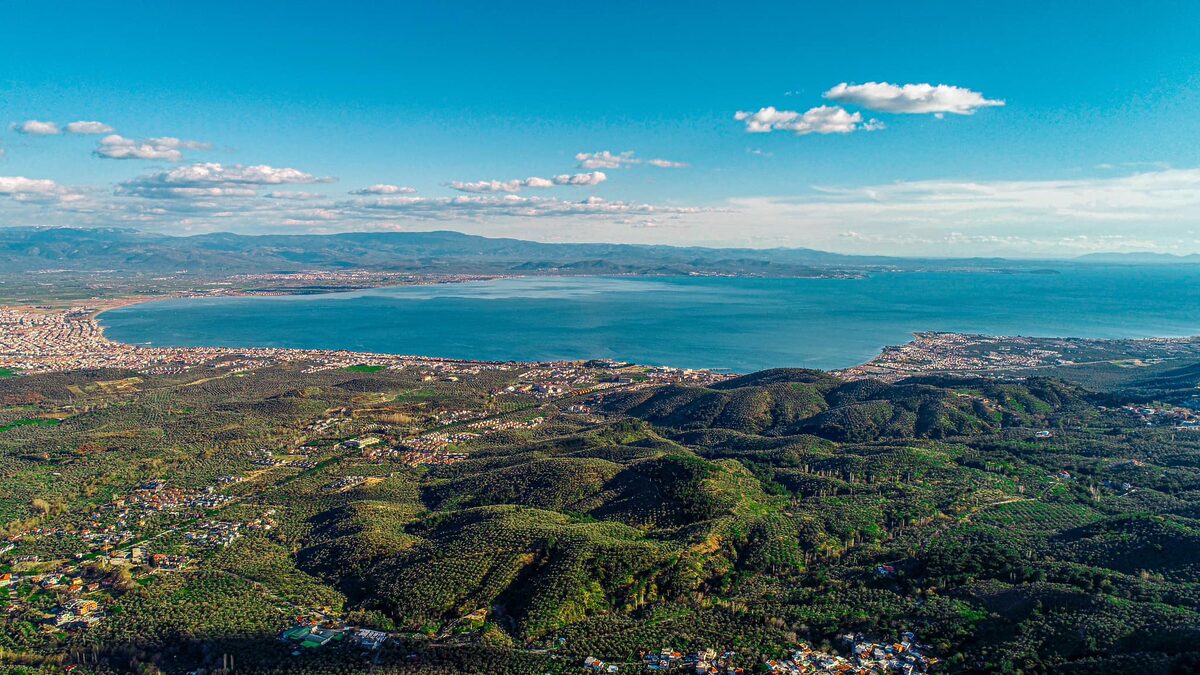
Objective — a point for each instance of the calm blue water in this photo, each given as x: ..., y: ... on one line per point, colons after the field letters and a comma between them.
x: 739, y: 324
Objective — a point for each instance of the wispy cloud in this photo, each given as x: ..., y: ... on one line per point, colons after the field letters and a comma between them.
x: 89, y: 128
x: 911, y: 98
x: 1009, y: 244
x: 383, y: 189
x: 507, y: 205
x: 295, y: 195
x: 516, y: 185
x: 985, y: 216
x: 666, y: 164
x: 605, y: 159
x: 1136, y: 197
x: 824, y: 119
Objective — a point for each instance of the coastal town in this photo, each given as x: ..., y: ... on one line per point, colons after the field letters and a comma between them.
x: 940, y: 352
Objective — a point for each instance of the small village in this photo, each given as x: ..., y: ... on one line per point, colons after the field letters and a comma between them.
x: 1176, y: 417
x: 866, y: 658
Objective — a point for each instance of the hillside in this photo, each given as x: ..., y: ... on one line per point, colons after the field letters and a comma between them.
x: 1015, y: 527
x: 786, y: 402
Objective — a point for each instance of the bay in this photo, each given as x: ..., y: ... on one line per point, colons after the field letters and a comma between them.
x: 740, y: 324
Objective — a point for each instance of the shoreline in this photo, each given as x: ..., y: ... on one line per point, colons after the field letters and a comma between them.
x: 927, y: 352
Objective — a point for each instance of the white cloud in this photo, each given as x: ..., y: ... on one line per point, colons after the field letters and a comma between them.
x: 11, y: 185
x: 22, y: 189
x: 824, y: 119
x: 119, y: 147
x: 609, y: 160
x: 164, y: 148
x: 911, y: 98
x: 516, y: 185
x: 261, y: 174
x: 488, y: 185
x: 85, y: 127
x: 37, y: 128
x: 586, y: 179
x: 213, y: 179
x: 535, y: 182
x: 383, y: 189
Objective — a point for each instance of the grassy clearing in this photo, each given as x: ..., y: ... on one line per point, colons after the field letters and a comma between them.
x: 30, y: 422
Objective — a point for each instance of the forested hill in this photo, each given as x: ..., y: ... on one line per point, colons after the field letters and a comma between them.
x: 790, y: 401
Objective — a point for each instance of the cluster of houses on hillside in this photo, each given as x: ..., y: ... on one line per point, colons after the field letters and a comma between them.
x: 345, y: 483
x: 706, y: 662
x: 415, y: 458
x: 866, y: 658
x: 449, y: 417
x: 435, y: 440
x: 154, y: 495
x: 114, y: 523
x: 325, y: 424
x: 78, y: 595
x: 1184, y: 419
x: 494, y: 425
x: 221, y: 533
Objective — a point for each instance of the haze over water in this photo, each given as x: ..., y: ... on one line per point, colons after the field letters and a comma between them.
x: 741, y: 324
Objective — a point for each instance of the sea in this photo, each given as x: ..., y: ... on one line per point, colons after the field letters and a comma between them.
x: 735, y: 324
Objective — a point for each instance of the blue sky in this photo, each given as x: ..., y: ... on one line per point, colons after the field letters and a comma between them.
x: 477, y: 113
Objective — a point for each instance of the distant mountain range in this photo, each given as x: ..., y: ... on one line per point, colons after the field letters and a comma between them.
x: 29, y: 249
x: 1141, y: 258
